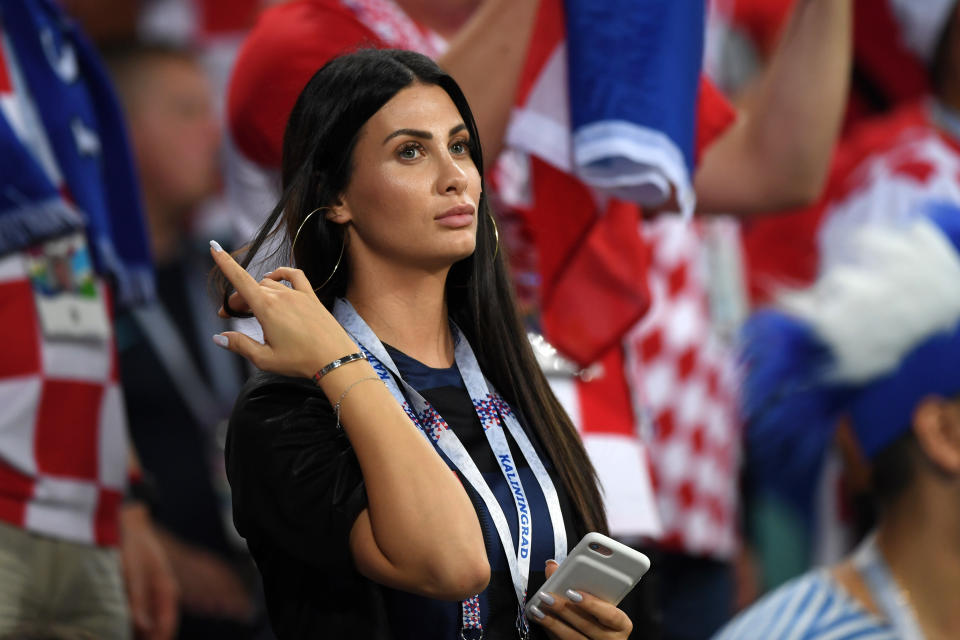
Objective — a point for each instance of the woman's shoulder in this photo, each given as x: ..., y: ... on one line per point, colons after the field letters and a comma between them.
x: 265, y: 386
x: 269, y: 401
x: 261, y: 379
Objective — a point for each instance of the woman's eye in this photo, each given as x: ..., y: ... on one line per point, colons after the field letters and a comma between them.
x: 459, y: 148
x: 409, y: 152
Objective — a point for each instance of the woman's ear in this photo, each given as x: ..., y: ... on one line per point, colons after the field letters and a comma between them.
x: 339, y: 212
x: 936, y: 425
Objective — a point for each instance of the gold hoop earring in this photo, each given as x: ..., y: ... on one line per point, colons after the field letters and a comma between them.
x: 496, y: 235
x: 336, y: 266
x: 339, y: 257
x: 300, y: 228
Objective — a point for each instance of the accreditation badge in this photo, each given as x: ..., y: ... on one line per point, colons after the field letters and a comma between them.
x: 70, y: 306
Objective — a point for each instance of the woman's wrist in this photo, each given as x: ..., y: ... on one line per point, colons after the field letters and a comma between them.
x: 336, y: 364
x: 327, y: 352
x: 343, y: 396
x: 334, y: 383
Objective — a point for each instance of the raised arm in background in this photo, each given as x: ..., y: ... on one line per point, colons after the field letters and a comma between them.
x: 777, y: 155
x: 486, y: 57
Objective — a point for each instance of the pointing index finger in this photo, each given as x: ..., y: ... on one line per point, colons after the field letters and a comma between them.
x: 237, y: 275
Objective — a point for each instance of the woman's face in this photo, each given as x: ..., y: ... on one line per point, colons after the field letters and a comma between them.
x: 414, y: 189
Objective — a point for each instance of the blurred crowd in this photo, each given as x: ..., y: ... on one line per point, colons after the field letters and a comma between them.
x: 806, y: 121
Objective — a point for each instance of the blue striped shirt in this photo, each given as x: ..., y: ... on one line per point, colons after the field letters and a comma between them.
x: 810, y: 607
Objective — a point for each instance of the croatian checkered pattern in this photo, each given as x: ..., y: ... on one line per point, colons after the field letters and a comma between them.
x: 63, y: 442
x: 488, y: 411
x: 683, y: 378
x: 431, y: 423
x: 471, y: 613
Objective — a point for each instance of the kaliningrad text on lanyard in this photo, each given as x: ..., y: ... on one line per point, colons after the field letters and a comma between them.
x: 493, y: 412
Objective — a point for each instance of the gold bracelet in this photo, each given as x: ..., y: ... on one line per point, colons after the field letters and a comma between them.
x: 336, y: 407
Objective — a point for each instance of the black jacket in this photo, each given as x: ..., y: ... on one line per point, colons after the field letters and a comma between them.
x: 297, y: 490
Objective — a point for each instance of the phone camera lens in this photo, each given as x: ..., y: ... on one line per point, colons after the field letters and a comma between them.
x: 596, y: 547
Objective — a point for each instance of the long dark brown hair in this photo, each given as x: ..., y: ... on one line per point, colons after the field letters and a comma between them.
x: 317, y: 162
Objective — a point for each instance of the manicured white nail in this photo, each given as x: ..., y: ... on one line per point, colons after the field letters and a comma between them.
x: 553, y: 561
x: 221, y: 340
x: 216, y: 245
x: 573, y: 596
x: 546, y: 597
x: 535, y: 611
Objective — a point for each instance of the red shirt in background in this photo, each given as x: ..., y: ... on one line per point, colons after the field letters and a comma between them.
x: 289, y: 43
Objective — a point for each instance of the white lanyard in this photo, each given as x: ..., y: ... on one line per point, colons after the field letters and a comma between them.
x: 888, y: 596
x: 492, y: 412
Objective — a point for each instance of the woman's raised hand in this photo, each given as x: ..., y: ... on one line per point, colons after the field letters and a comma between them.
x: 580, y: 616
x: 300, y: 334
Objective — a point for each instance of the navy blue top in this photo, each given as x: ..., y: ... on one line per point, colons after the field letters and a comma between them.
x: 417, y: 617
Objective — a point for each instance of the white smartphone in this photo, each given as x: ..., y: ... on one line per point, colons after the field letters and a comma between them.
x: 599, y: 565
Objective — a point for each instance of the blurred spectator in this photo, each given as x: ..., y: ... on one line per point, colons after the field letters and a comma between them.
x: 178, y: 386
x: 71, y: 241
x: 175, y: 135
x: 881, y: 168
x: 873, y: 344
x: 896, y: 46
x: 213, y: 31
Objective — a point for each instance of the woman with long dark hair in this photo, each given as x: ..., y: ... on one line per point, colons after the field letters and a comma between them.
x: 395, y: 356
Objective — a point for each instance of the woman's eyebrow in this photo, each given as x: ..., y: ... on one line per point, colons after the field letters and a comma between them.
x: 417, y: 133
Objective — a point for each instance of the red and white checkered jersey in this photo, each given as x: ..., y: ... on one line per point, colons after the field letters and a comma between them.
x: 63, y: 432
x: 683, y: 377
x: 608, y: 406
x: 63, y: 436
x: 664, y: 407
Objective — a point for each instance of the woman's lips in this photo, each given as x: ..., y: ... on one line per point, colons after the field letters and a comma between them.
x: 456, y: 217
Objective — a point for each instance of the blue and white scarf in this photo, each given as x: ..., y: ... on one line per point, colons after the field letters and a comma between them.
x: 83, y: 123
x: 634, y: 76
x: 612, y: 96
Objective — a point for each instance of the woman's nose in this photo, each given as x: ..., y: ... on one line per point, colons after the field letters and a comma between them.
x: 453, y: 178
